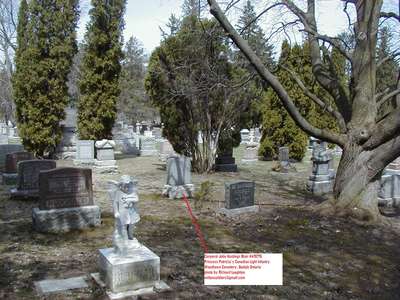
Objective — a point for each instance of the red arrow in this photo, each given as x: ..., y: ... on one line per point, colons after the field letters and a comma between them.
x: 196, y: 225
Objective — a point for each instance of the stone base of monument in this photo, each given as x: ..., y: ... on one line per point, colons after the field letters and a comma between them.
x: 105, y: 166
x: 226, y: 168
x: 16, y: 193
x: 66, y: 219
x: 148, y: 152
x: 320, y: 184
x: 238, y: 211
x: 10, y: 178
x: 177, y: 192
x: 225, y: 163
x: 134, y: 274
x: 84, y: 162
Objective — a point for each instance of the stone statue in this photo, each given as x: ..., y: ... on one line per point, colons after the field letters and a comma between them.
x: 124, y: 196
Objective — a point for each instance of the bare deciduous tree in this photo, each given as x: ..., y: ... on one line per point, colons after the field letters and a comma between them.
x: 369, y: 142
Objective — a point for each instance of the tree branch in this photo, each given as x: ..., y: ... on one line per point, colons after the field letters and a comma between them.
x: 389, y: 15
x: 327, y: 80
x: 272, y: 80
x: 384, y: 131
x: 318, y: 101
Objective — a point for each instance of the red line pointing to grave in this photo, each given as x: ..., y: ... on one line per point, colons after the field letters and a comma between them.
x: 196, y: 225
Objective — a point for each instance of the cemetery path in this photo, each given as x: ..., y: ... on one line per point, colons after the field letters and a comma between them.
x: 324, y: 258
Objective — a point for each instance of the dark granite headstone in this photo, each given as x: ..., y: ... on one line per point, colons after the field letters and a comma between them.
x: 239, y: 194
x: 6, y: 149
x: 225, y: 162
x: 65, y: 188
x: 12, y: 160
x: 28, y: 176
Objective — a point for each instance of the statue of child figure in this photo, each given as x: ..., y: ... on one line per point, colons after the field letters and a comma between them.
x: 124, y: 196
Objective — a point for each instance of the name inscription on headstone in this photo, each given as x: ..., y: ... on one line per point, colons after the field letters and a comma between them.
x: 131, y: 275
x: 239, y: 194
x: 65, y: 187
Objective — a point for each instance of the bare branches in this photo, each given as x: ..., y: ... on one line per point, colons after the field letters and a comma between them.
x: 318, y: 101
x: 271, y: 79
x: 389, y: 15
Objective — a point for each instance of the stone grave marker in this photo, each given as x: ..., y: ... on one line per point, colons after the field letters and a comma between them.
x: 244, y: 136
x: 284, y: 161
x: 321, y: 181
x: 239, y: 198
x: 166, y: 150
x: 148, y: 146
x: 28, y: 177
x: 10, y: 174
x: 6, y: 149
x: 66, y: 201
x: 389, y: 190
x: 105, y: 162
x: 84, y: 152
x: 225, y: 162
x: 179, y: 178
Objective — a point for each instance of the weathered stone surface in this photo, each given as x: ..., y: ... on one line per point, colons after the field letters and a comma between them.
x: 12, y: 160
x: 139, y: 269
x: 148, y: 146
x: 250, y: 154
x: 59, y: 285
x: 239, y: 194
x: 166, y: 150
x: 105, y: 150
x: 177, y: 192
x: 389, y: 190
x: 65, y: 188
x: 322, y: 179
x: 179, y: 170
x: 6, y: 149
x: 28, y: 177
x: 225, y: 163
x: 244, y: 136
x: 65, y: 219
x: 84, y: 152
x: 238, y: 211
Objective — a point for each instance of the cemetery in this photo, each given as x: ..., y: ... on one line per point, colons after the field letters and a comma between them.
x: 223, y: 157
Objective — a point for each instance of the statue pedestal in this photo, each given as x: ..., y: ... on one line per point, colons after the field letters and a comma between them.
x: 139, y: 269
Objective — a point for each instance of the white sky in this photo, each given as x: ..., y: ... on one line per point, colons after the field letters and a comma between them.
x: 144, y: 17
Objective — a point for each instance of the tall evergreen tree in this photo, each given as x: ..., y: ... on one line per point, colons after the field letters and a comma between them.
x: 133, y: 103
x: 278, y: 127
x: 100, y: 70
x: 253, y: 91
x: 45, y: 51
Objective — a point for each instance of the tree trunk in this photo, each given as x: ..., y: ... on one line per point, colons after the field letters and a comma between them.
x: 355, y: 192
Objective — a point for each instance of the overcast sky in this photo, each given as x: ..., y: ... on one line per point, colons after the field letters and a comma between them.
x: 144, y: 17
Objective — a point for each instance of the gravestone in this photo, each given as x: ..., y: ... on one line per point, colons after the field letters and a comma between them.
x: 312, y: 142
x: 239, y: 198
x: 105, y: 161
x: 6, y: 149
x: 84, y: 152
x: 179, y: 178
x: 251, y: 151
x: 67, y: 146
x: 148, y: 146
x: 244, y: 136
x: 10, y: 174
x: 65, y: 201
x: 28, y: 177
x: 166, y: 150
x: 284, y: 161
x: 321, y: 181
x: 389, y: 190
x: 225, y: 162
